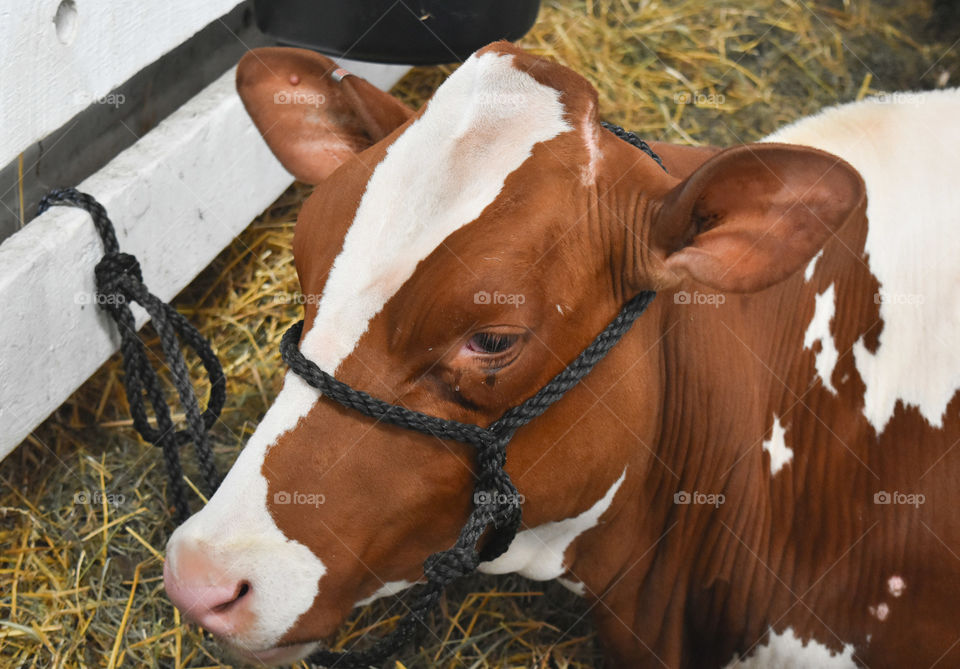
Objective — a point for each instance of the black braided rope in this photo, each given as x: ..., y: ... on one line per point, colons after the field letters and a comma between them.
x: 631, y: 138
x: 493, y: 490
x: 119, y: 282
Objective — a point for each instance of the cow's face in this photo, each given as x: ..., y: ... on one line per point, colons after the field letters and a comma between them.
x: 453, y: 262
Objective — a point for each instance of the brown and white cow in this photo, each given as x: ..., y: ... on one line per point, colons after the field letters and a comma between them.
x: 761, y: 472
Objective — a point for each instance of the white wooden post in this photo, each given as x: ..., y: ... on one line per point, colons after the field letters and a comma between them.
x: 178, y: 196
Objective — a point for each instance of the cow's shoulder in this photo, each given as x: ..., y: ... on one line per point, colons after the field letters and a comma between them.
x: 907, y: 148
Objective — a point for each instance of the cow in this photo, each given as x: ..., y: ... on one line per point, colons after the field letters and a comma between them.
x: 761, y: 473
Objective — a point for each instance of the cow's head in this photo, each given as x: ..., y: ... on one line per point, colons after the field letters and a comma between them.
x: 454, y: 260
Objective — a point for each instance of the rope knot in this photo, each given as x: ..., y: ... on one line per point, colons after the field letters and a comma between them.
x: 110, y: 274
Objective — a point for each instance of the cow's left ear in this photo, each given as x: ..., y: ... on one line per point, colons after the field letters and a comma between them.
x: 753, y: 215
x: 312, y: 115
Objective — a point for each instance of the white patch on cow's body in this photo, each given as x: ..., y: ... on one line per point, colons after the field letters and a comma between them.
x: 819, y: 330
x: 236, y: 531
x: 776, y: 446
x: 387, y: 589
x: 913, y: 240
x: 896, y: 585
x: 880, y: 611
x: 786, y: 651
x: 576, y: 587
x: 538, y: 553
x: 591, y: 136
x: 812, y: 266
x: 437, y: 177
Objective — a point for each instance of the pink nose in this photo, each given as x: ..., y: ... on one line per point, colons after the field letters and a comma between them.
x: 205, y: 593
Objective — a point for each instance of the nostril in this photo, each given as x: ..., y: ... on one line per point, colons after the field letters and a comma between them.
x: 207, y: 594
x: 242, y: 589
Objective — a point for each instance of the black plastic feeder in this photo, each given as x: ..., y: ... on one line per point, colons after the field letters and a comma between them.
x: 415, y: 32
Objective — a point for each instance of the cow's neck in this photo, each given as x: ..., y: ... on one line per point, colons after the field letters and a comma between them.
x: 726, y: 372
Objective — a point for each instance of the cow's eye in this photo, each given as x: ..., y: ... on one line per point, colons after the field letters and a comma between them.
x: 491, y: 342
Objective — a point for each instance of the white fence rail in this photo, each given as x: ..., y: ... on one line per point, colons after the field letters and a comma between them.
x: 58, y: 56
x: 177, y: 197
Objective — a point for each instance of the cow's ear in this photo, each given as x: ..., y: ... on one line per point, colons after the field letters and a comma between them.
x: 753, y: 215
x: 311, y: 115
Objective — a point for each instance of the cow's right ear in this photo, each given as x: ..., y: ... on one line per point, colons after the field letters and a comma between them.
x: 312, y: 117
x: 753, y: 215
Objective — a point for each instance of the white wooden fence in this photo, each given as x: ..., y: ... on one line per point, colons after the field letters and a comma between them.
x: 178, y: 196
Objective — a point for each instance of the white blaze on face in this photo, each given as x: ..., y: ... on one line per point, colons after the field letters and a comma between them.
x: 538, y: 553
x: 449, y: 165
x: 440, y: 175
x: 786, y: 651
x: 237, y: 532
x: 776, y: 446
x: 819, y: 331
x: 908, y: 152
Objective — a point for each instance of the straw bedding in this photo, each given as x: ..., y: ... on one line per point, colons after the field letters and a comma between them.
x: 82, y: 516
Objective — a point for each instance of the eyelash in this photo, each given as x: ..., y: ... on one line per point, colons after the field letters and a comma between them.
x: 488, y: 343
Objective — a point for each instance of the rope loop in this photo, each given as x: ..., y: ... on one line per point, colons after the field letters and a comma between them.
x: 119, y: 282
